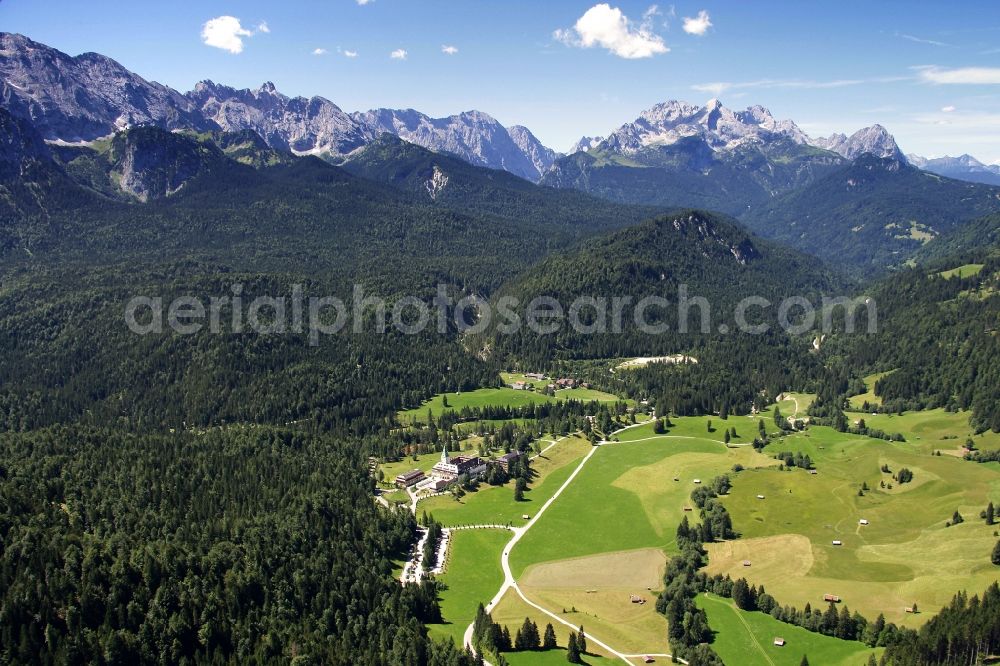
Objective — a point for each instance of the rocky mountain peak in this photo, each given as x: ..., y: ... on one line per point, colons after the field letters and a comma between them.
x: 875, y: 140
x: 585, y: 144
x: 720, y: 127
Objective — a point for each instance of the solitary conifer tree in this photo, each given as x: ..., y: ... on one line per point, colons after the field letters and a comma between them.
x: 549, y: 641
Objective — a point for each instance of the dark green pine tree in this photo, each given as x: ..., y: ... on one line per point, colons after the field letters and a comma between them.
x: 527, y: 637
x: 573, y: 650
x: 581, y: 641
x: 741, y: 595
x: 805, y: 661
x: 996, y: 554
x: 549, y: 640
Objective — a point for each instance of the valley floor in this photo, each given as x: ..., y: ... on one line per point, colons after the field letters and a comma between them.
x: 602, y: 520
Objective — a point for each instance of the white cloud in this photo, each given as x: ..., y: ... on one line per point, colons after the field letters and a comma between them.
x: 606, y: 26
x: 351, y: 54
x: 960, y: 75
x: 697, y: 25
x: 947, y: 109
x: 449, y: 50
x: 921, y: 40
x: 719, y: 87
x: 365, y: 2
x: 226, y: 33
x: 398, y: 54
x: 319, y: 52
x: 716, y: 89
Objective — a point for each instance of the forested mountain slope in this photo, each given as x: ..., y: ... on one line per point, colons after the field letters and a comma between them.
x: 938, y: 337
x: 873, y: 214
x: 713, y: 259
x: 689, y: 173
x: 452, y: 183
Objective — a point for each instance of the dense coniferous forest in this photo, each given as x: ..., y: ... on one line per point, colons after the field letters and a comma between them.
x: 938, y: 337
x: 238, y: 545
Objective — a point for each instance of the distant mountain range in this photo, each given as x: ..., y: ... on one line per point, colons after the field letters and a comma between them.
x: 87, y: 97
x: 855, y: 199
x: 965, y: 167
x: 90, y: 96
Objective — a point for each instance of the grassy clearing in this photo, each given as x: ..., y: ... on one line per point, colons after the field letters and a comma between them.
x: 473, y: 426
x: 868, y: 396
x: 795, y: 404
x: 391, y: 470
x: 472, y: 575
x: 499, y: 397
x: 587, y: 395
x: 934, y: 430
x: 628, y: 492
x: 968, y: 270
x: 511, y: 612
x: 396, y: 497
x: 748, y: 639
x: 596, y: 593
x: 698, y: 427
x: 496, y: 505
x: 552, y: 658
x: 905, y: 555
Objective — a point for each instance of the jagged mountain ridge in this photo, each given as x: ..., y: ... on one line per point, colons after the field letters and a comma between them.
x: 718, y: 126
x: 82, y: 98
x: 87, y: 97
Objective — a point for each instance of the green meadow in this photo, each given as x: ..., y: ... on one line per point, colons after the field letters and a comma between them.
x: 472, y: 576
x: 968, y: 270
x: 625, y: 504
x: 933, y: 430
x: 626, y: 498
x: 499, y: 397
x: 511, y: 612
x: 857, y: 401
x: 552, y: 658
x: 587, y: 395
x: 391, y: 470
x: 905, y: 555
x: 747, y: 639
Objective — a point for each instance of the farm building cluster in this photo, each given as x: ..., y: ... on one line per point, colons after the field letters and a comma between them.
x: 447, y: 470
x: 528, y: 383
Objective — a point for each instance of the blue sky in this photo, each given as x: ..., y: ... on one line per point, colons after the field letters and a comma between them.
x: 929, y: 72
